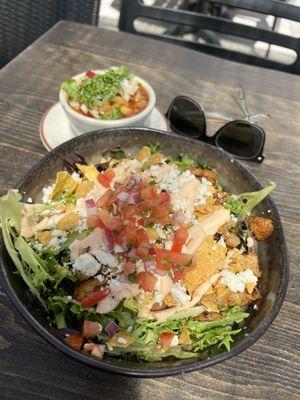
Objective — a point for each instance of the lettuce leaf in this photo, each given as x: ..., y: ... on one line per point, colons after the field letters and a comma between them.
x: 152, y: 353
x: 242, y: 204
x: 184, y: 162
x: 39, y: 275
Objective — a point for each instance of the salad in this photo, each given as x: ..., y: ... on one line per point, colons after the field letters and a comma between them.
x: 110, y: 95
x: 143, y: 256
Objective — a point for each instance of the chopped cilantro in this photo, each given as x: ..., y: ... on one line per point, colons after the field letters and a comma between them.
x: 99, y: 90
x: 205, y: 165
x: 154, y: 147
x: 132, y: 278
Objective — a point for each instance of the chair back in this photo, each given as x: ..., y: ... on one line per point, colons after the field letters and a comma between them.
x: 133, y: 9
x: 23, y: 21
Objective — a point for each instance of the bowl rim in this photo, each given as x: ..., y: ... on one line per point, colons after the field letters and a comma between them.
x: 157, y: 372
x: 108, y: 123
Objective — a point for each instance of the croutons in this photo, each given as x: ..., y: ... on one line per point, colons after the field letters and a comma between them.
x: 85, y: 288
x: 261, y: 227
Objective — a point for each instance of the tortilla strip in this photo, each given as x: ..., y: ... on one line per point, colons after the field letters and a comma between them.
x: 210, y: 258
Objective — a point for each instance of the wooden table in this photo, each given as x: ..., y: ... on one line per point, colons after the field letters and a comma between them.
x: 30, y: 368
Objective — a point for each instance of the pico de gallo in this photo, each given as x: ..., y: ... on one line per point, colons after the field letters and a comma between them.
x: 141, y: 256
x: 109, y: 95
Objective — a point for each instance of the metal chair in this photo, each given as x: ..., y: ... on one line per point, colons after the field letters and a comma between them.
x: 23, y: 21
x: 133, y: 9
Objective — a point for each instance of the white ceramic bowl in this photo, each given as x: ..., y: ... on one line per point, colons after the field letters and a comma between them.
x: 82, y: 124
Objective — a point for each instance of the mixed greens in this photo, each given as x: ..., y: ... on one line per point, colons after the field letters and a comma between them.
x: 133, y: 327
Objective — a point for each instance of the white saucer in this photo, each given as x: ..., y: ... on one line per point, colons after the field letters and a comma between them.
x: 55, y: 128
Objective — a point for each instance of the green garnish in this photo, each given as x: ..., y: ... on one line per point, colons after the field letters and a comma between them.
x: 241, y: 205
x: 98, y: 90
x: 154, y: 147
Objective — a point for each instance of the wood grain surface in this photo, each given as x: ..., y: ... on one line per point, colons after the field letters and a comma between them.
x: 29, y: 367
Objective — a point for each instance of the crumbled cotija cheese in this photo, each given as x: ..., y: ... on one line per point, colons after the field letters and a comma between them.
x: 76, y: 177
x: 105, y: 258
x: 237, y: 282
x: 178, y: 292
x: 47, y: 193
x: 81, y: 208
x: 87, y: 265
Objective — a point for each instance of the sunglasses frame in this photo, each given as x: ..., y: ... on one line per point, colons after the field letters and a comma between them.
x: 213, y: 140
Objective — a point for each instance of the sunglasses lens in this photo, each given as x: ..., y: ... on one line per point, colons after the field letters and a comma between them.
x: 241, y: 139
x: 187, y: 118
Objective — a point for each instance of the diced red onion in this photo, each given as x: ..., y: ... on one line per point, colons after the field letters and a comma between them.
x: 178, y: 218
x: 130, y: 253
x: 134, y: 198
x: 123, y: 196
x: 111, y: 328
x: 137, y: 179
x: 90, y: 203
x: 152, y: 250
x: 108, y: 240
x: 161, y: 272
x: 150, y: 265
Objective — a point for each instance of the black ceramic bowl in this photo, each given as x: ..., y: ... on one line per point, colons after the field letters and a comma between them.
x: 235, y: 178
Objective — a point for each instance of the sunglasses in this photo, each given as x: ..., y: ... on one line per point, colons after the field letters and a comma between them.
x: 242, y: 139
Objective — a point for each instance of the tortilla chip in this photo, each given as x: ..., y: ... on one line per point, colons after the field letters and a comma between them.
x: 83, y: 188
x: 44, y: 237
x: 184, y: 337
x: 68, y: 221
x: 143, y: 155
x: 222, y: 290
x: 203, y: 210
x: 121, y: 339
x: 209, y: 305
x: 169, y: 300
x: 156, y: 158
x: 210, y: 257
x: 250, y: 287
x: 240, y: 262
x: 64, y: 184
x: 89, y: 171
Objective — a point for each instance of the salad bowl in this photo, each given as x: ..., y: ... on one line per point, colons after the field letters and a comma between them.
x: 234, y: 178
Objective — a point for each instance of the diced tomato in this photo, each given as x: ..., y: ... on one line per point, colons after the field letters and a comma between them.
x: 90, y: 74
x: 130, y: 233
x: 149, y: 193
x: 141, y: 236
x: 165, y: 340
x: 164, y: 198
x: 119, y: 238
x: 144, y: 206
x: 106, y: 199
x: 94, y: 221
x: 128, y: 268
x: 179, y: 263
x: 180, y: 237
x: 90, y: 329
x: 95, y: 297
x: 74, y: 341
x: 146, y: 280
x: 143, y: 250
x: 109, y: 239
x: 160, y: 214
x: 105, y: 178
x: 129, y: 213
x: 112, y: 223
